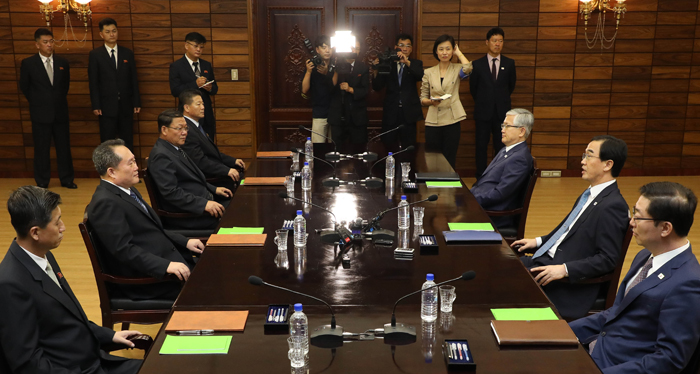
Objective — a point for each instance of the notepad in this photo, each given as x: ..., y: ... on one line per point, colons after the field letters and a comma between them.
x: 524, y: 314
x: 435, y: 184
x: 237, y: 240
x: 195, y: 345
x: 217, y: 320
x: 534, y: 333
x: 241, y: 230
x: 475, y: 226
x: 263, y: 181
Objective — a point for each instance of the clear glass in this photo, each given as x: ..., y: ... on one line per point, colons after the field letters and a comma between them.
x: 418, y: 213
x: 289, y: 183
x: 281, y: 239
x: 405, y: 169
x: 296, y: 351
x: 447, y: 297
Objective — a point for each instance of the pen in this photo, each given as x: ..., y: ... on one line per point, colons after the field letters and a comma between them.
x: 195, y: 332
x: 466, y: 355
x: 269, y: 318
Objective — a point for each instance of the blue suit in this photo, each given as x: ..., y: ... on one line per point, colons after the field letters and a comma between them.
x: 656, y: 327
x: 498, y: 187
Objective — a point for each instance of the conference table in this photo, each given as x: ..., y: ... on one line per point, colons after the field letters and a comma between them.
x: 363, y: 288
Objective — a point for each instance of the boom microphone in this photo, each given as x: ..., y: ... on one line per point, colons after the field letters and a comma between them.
x: 330, y: 156
x: 373, y: 225
x: 374, y: 182
x: 327, y: 235
x: 326, y: 182
x: 371, y: 156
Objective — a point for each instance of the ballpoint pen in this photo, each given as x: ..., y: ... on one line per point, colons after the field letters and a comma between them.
x: 195, y: 332
x: 466, y: 354
x: 269, y: 318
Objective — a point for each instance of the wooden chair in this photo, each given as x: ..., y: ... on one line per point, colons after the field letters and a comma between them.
x: 517, y: 231
x: 116, y: 308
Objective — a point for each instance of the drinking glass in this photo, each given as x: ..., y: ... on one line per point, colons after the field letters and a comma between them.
x: 281, y: 236
x: 447, y: 297
x: 405, y: 169
x: 418, y: 213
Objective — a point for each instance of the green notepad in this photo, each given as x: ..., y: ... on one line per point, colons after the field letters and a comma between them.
x: 242, y: 182
x: 195, y: 345
x: 524, y: 314
x: 479, y: 226
x: 453, y: 184
x: 241, y: 230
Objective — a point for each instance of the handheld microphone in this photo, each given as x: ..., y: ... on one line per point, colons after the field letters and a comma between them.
x: 330, y: 156
x: 379, y: 233
x: 326, y: 182
x: 327, y: 336
x: 327, y: 236
x: 371, y: 156
x: 400, y: 334
x: 374, y: 182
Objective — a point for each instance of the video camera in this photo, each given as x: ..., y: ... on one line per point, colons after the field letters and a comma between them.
x: 386, y: 59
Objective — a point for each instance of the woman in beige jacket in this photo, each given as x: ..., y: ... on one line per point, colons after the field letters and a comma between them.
x: 442, y: 127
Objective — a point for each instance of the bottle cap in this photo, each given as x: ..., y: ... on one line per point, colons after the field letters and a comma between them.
x: 298, y: 212
x: 308, y: 138
x: 429, y: 277
x: 403, y: 197
x: 306, y: 163
x: 298, y: 307
x: 391, y: 153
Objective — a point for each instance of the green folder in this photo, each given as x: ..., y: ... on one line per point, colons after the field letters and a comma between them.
x: 524, y: 314
x: 478, y: 226
x: 242, y: 182
x: 195, y: 345
x: 241, y: 230
x: 453, y: 184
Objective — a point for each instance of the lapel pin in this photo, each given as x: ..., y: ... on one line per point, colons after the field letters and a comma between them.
x: 126, y: 61
x: 206, y: 72
x: 59, y: 274
x: 595, y: 203
x: 502, y: 68
x: 60, y: 68
x: 661, y: 276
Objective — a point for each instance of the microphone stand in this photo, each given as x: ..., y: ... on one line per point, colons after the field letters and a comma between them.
x: 379, y: 233
x: 371, y: 156
x: 374, y: 182
x: 330, y: 236
x: 326, y: 182
x: 330, y: 156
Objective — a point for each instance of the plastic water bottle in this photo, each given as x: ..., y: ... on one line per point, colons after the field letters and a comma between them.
x: 309, y: 150
x: 299, y: 326
x: 306, y: 177
x: 429, y: 303
x: 390, y: 167
x: 404, y: 214
x: 299, y: 230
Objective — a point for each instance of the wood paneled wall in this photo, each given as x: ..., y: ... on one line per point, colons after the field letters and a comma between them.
x: 155, y: 30
x: 645, y: 90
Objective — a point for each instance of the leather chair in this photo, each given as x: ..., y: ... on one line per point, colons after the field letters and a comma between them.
x: 117, y: 308
x: 517, y: 231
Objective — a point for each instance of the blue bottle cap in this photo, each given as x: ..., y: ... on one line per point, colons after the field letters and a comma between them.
x: 391, y: 153
x: 298, y: 212
x: 308, y: 138
x: 306, y: 163
x: 403, y: 197
x: 430, y: 277
x: 298, y: 307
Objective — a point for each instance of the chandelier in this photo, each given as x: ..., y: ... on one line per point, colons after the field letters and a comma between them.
x: 588, y: 7
x: 80, y: 7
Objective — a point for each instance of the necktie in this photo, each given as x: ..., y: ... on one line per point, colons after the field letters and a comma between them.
x: 499, y: 156
x: 114, y: 59
x: 49, y: 70
x: 133, y: 196
x: 642, y: 275
x: 197, y: 73
x: 51, y: 274
x: 565, y: 226
x: 201, y: 129
x: 494, y: 71
x: 401, y: 73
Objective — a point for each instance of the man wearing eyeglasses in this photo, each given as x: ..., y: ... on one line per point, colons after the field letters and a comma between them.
x: 500, y: 186
x: 653, y: 326
x: 182, y: 187
x: 587, y: 243
x: 193, y: 72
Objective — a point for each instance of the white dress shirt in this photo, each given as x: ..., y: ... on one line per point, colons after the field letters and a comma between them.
x: 660, y: 261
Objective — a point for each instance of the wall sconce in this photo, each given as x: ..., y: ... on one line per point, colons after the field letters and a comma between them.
x: 588, y: 7
x: 80, y: 7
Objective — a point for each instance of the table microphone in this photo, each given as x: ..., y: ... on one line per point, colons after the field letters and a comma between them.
x: 377, y: 232
x: 371, y: 156
x: 400, y: 334
x: 326, y: 182
x: 330, y: 156
x: 374, y: 182
x: 327, y: 336
x: 327, y: 235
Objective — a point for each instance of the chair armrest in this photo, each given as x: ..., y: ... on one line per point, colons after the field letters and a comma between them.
x: 601, y: 279
x: 143, y: 342
x: 497, y: 213
x: 123, y: 280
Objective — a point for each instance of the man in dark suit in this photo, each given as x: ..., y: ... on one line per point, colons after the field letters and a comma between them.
x: 43, y: 328
x: 587, y: 243
x: 44, y: 81
x: 182, y: 187
x: 348, y: 113
x: 129, y: 231
x: 491, y: 83
x: 401, y: 104
x: 200, y: 147
x: 653, y: 326
x: 192, y: 72
x: 114, y: 87
x: 500, y: 186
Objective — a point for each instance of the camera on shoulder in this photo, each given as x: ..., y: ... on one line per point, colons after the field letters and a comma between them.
x: 386, y: 59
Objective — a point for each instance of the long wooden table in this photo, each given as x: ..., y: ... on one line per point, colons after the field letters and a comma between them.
x: 364, y: 292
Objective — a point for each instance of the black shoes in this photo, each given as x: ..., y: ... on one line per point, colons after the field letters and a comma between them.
x: 70, y: 185
x: 43, y: 185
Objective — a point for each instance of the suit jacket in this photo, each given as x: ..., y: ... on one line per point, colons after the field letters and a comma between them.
x: 450, y: 110
x: 655, y: 328
x: 109, y: 85
x: 47, y: 102
x: 500, y: 185
x: 206, y: 154
x: 590, y: 249
x: 354, y: 106
x: 43, y: 328
x: 181, y: 185
x: 407, y: 93
x: 132, y: 242
x: 489, y: 96
x: 182, y: 77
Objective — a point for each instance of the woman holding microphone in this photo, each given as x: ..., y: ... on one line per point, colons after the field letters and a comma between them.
x: 442, y: 124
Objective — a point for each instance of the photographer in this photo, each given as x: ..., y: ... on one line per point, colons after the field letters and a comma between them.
x: 402, y: 103
x: 348, y: 114
x: 318, y: 83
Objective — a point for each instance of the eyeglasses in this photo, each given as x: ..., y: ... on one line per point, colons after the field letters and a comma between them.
x: 586, y: 156
x: 635, y: 219
x: 180, y: 129
x: 196, y: 46
x: 405, y: 45
x: 504, y: 125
